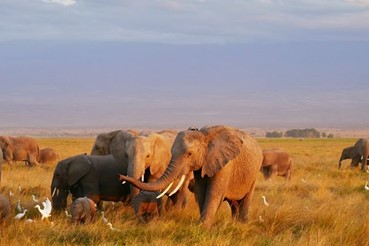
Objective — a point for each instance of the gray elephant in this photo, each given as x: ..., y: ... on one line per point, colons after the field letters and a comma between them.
x: 276, y: 163
x: 82, y: 209
x: 358, y: 153
x: 225, y: 161
x: 89, y: 176
x: 48, y: 155
x: 4, y: 209
x: 19, y: 149
x: 147, y: 206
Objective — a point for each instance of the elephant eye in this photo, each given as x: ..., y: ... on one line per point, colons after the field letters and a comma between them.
x: 189, y: 154
x: 148, y: 155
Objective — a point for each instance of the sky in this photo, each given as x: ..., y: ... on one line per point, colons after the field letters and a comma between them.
x: 174, y: 64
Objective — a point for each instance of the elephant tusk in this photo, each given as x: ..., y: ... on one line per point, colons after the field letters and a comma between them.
x: 142, y: 178
x: 165, y: 191
x: 123, y: 182
x: 52, y: 195
x: 57, y: 192
x: 179, y: 185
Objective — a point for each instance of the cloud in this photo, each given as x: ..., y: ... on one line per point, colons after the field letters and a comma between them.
x: 61, y: 2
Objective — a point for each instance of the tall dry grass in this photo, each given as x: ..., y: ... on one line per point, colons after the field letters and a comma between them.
x: 320, y: 205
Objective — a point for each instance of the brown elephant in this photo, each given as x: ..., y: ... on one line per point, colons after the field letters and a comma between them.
x: 4, y: 209
x: 147, y: 206
x: 276, y: 163
x: 225, y: 162
x: 19, y: 149
x: 357, y: 153
x: 148, y: 155
x: 48, y: 155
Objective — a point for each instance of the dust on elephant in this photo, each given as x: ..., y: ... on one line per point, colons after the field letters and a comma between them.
x: 47, y: 155
x: 148, y: 155
x: 276, y: 163
x: 357, y: 153
x: 147, y: 206
x: 225, y: 161
x: 89, y: 176
x: 19, y: 149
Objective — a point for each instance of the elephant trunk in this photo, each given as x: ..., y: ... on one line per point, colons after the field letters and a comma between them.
x: 136, y: 170
x: 171, y: 173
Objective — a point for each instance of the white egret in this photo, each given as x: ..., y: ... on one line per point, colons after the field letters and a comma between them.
x: 103, y: 218
x: 366, y: 187
x: 45, y: 212
x: 111, y: 227
x: 20, y: 215
x: 265, y: 201
x: 34, y: 198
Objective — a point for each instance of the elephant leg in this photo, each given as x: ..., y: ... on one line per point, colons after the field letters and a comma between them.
x: 235, y: 208
x: 245, y: 204
x: 200, y: 189
x: 287, y: 175
x: 215, y: 193
x: 273, y: 171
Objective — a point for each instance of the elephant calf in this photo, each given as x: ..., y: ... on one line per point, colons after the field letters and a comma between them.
x: 48, y: 155
x: 82, y: 209
x: 276, y: 163
x: 4, y: 209
x: 147, y: 206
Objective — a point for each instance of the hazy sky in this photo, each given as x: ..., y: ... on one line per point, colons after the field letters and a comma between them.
x: 156, y: 63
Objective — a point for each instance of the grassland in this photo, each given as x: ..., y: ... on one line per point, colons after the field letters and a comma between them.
x: 320, y: 205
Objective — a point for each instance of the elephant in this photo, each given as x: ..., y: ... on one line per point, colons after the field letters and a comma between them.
x: 357, y: 153
x: 276, y: 163
x: 82, y: 209
x: 89, y: 176
x: 47, y: 155
x: 148, y: 155
x: 225, y: 162
x: 147, y: 206
x: 1, y: 162
x: 4, y: 209
x: 19, y: 149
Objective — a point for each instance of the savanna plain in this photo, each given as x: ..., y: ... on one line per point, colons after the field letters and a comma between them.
x: 320, y: 205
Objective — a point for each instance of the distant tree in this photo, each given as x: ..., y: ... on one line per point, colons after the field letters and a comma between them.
x: 274, y: 134
x: 305, y: 133
x: 324, y: 135
x: 330, y: 135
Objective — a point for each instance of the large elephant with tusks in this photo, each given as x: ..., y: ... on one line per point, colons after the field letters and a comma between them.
x: 225, y: 161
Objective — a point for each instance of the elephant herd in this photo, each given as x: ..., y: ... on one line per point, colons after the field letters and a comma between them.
x: 215, y: 163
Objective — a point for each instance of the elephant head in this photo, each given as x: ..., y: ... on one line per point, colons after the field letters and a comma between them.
x: 349, y: 153
x: 102, y: 143
x: 66, y: 175
x: 362, y: 147
x: 208, y: 150
x: 148, y: 150
x: 6, y: 147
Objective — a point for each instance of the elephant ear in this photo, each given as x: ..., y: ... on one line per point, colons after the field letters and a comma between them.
x: 224, y: 145
x: 78, y: 167
x: 6, y: 141
x: 269, y: 157
x: 161, y: 154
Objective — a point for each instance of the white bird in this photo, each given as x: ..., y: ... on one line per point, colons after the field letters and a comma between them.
x: 103, y: 218
x: 11, y: 193
x: 20, y: 189
x: 29, y: 220
x: 67, y: 214
x: 111, y: 227
x: 34, y: 198
x: 303, y: 180
x: 19, y: 207
x: 366, y: 187
x: 265, y: 202
x: 261, y: 220
x: 20, y: 215
x: 45, y: 212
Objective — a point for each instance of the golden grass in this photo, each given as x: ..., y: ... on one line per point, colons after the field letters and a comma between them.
x: 320, y: 205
